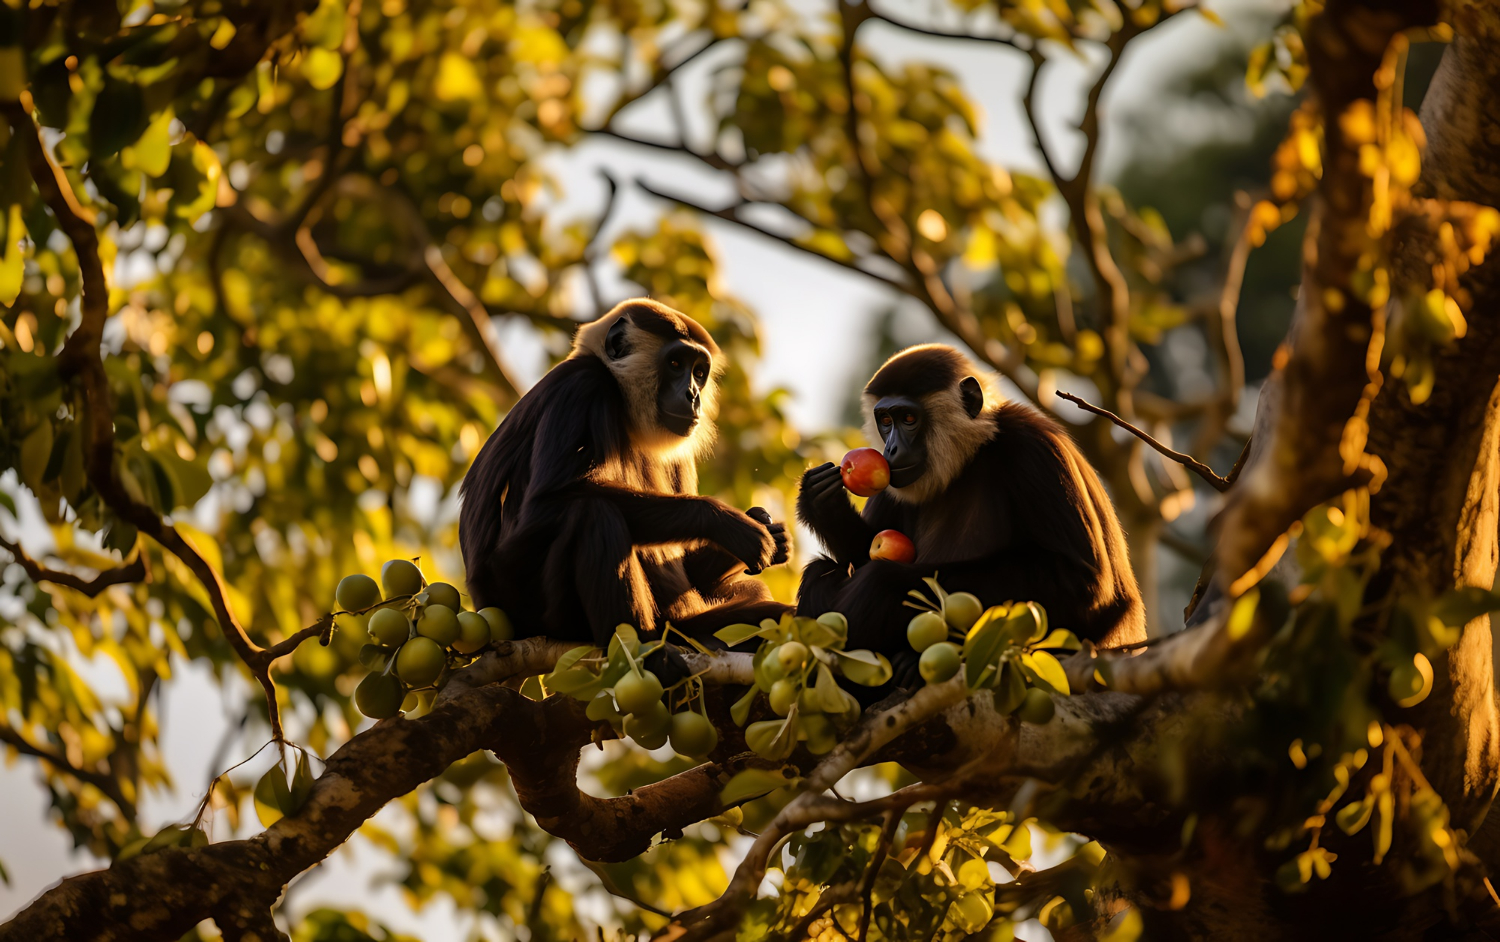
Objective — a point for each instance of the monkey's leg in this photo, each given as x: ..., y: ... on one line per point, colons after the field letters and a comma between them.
x: 823, y: 580
x: 593, y: 567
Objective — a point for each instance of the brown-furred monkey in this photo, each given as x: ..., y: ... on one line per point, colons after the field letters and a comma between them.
x: 582, y: 510
x: 995, y: 496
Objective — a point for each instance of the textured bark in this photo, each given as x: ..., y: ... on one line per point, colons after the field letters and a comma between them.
x: 162, y: 895
x: 1298, y: 463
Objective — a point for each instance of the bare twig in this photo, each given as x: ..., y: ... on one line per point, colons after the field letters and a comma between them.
x: 133, y: 571
x: 872, y: 873
x: 105, y: 783
x: 1202, y: 470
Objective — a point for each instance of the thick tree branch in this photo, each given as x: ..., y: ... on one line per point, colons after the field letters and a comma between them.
x: 233, y: 880
x: 1303, y: 456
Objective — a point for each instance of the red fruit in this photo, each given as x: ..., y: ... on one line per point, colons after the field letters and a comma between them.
x: 893, y: 545
x: 865, y: 472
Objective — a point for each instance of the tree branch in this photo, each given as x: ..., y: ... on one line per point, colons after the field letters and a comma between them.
x: 943, y: 34
x: 132, y: 571
x: 1188, y: 461
x: 82, y: 357
x: 105, y: 783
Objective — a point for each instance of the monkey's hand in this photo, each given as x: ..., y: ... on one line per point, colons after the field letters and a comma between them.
x: 825, y: 508
x: 778, y: 533
x: 747, y: 539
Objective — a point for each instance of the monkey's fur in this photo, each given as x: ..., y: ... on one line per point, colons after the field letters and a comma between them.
x: 581, y: 511
x: 996, y: 498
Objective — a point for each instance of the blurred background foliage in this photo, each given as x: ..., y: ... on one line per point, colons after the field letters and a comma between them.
x: 323, y: 221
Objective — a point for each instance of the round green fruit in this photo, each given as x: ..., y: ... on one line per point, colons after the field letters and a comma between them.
x: 440, y: 624
x: 939, y: 662
x: 420, y: 661
x: 792, y: 656
x: 473, y: 633
x: 378, y: 696
x: 602, y: 708
x: 962, y: 610
x: 926, y: 630
x: 356, y: 593
x: 635, y: 693
x: 836, y: 621
x: 390, y: 627
x: 400, y: 577
x: 1037, y: 708
x: 654, y: 740
x: 693, y: 735
x: 499, y: 622
x: 444, y: 594
x: 783, y: 694
x: 770, y: 665
x: 648, y: 722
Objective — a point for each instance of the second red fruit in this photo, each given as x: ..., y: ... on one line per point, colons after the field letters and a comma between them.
x: 865, y: 472
x: 893, y: 545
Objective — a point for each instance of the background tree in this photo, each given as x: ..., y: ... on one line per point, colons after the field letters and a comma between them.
x: 253, y: 256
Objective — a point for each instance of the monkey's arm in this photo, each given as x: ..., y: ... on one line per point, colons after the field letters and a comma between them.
x: 824, y: 507
x: 710, y: 565
x: 657, y: 519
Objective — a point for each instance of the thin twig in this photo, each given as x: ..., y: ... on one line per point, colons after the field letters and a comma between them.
x: 133, y: 571
x: 1188, y: 461
x: 104, y: 783
x: 867, y: 885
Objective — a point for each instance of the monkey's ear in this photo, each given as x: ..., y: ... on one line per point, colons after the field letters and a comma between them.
x: 616, y: 344
x: 973, y: 396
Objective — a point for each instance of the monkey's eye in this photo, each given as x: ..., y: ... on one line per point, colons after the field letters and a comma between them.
x: 885, y: 421
x: 676, y: 364
x: 909, y: 421
x: 701, y: 374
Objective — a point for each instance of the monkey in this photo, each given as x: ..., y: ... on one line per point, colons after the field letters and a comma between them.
x: 997, y: 499
x: 581, y: 511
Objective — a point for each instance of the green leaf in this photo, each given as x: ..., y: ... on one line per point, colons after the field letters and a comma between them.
x: 740, y: 712
x: 574, y: 682
x: 734, y: 634
x: 194, y: 177
x: 752, y: 783
x: 816, y: 634
x: 986, y: 640
x: 152, y: 153
x: 302, y: 783
x: 1010, y: 690
x: 1060, y: 639
x: 324, y: 26
x: 865, y: 667
x: 13, y: 260
x: 1044, y: 669
x: 771, y: 739
x: 118, y: 118
x: 1457, y: 607
x: 322, y: 67
x: 273, y: 799
x: 830, y: 696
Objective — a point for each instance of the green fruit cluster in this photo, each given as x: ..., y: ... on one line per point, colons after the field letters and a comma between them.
x: 795, y: 670
x: 1004, y: 648
x: 416, y: 630
x: 620, y: 691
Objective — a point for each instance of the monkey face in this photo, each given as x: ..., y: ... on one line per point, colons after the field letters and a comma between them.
x: 902, y: 422
x: 682, y: 376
